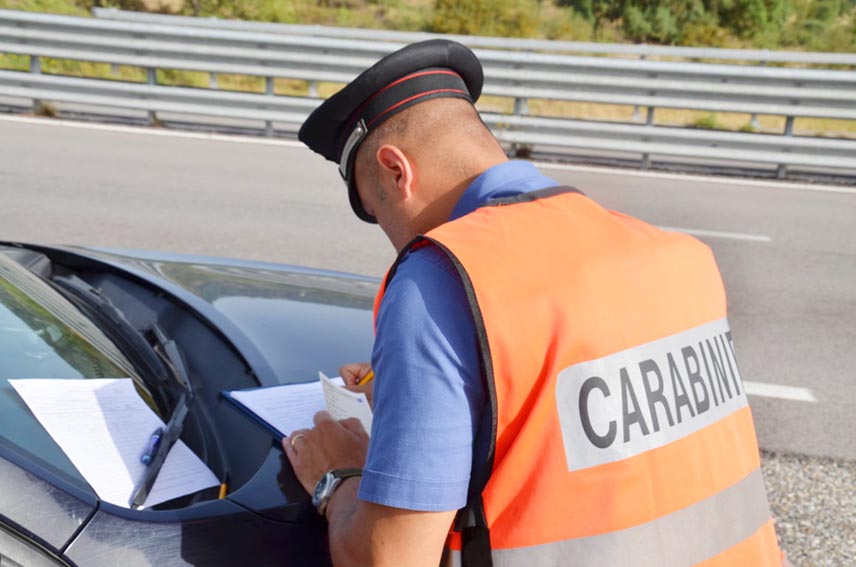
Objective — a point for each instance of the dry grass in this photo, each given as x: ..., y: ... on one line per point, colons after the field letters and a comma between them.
x: 164, y: 6
x: 674, y: 117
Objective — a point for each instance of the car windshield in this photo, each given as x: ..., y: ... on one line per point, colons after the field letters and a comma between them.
x: 43, y: 336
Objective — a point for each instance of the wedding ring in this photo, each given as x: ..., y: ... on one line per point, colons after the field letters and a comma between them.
x: 295, y: 438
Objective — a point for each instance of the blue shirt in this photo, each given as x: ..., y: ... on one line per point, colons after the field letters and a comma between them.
x: 428, y: 394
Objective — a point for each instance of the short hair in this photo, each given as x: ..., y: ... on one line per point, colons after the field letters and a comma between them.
x: 432, y: 122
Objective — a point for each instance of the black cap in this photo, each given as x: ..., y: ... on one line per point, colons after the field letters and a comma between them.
x: 416, y: 73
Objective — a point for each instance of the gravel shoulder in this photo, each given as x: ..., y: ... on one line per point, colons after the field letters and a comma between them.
x: 814, y: 507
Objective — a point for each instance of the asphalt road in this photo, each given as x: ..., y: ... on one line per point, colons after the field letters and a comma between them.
x: 787, y: 253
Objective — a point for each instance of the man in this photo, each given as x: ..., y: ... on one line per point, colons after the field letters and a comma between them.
x: 561, y: 374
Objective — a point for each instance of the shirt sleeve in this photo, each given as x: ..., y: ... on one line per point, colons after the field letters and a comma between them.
x: 428, y: 394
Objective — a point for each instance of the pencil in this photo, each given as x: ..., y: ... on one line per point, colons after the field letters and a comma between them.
x: 224, y: 486
x: 366, y: 379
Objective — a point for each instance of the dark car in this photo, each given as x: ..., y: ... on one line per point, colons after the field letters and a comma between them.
x: 77, y: 313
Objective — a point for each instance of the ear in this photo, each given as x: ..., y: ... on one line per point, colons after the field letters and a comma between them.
x: 395, y: 166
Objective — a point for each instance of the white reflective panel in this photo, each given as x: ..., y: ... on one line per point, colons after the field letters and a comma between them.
x: 645, y: 397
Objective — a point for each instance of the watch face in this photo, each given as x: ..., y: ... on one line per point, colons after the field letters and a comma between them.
x: 328, y: 483
x: 322, y: 488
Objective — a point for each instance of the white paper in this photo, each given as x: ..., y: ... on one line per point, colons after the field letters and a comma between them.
x: 104, y: 426
x: 288, y: 407
x: 292, y: 406
x: 342, y: 403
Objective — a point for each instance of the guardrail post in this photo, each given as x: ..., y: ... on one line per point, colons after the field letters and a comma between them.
x: 754, y: 123
x: 649, y: 121
x: 789, y: 126
x: 637, y: 115
x: 313, y: 89
x: 753, y: 120
x: 269, y: 91
x: 782, y: 171
x: 36, y: 69
x: 521, y: 107
x: 152, y: 79
x: 212, y: 82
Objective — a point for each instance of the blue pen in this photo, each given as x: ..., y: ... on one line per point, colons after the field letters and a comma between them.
x: 152, y: 446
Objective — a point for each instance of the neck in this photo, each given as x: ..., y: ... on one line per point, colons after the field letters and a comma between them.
x: 450, y: 183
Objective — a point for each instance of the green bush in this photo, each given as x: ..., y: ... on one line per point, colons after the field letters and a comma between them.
x: 136, y: 5
x: 263, y: 10
x: 657, y: 24
x: 636, y: 24
x: 734, y: 23
x: 506, y: 18
x: 564, y: 23
x: 706, y: 34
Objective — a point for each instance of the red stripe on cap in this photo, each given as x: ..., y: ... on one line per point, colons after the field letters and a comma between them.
x: 356, y: 114
x: 414, y: 97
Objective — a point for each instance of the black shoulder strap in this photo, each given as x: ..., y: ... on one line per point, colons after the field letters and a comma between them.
x: 475, y: 535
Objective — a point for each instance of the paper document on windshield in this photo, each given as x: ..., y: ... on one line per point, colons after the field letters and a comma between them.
x: 286, y: 408
x: 104, y: 426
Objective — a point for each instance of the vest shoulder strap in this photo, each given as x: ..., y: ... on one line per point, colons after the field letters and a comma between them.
x: 470, y: 520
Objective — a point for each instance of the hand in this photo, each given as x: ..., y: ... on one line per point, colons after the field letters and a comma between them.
x: 329, y: 445
x: 353, y: 373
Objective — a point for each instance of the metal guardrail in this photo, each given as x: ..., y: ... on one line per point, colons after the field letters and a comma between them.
x: 156, y: 98
x: 504, y: 43
x: 727, y: 88
x: 518, y: 75
x: 810, y: 152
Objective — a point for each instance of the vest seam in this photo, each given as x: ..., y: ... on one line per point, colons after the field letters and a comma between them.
x: 530, y: 196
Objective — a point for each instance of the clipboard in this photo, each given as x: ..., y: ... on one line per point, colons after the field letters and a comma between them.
x: 247, y: 412
x: 285, y: 408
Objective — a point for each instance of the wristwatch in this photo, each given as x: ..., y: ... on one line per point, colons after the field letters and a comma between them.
x: 328, y: 484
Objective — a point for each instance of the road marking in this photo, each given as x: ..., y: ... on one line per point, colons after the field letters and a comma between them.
x: 719, y: 234
x: 792, y: 393
x: 544, y: 165
x: 148, y: 131
x: 700, y: 178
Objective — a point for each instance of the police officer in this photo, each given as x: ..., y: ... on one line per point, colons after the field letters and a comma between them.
x: 556, y: 382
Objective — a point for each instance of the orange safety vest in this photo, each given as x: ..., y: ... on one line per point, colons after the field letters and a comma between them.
x: 622, y: 435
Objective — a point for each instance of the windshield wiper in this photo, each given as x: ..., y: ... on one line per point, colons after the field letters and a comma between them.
x: 113, y: 322
x: 170, y: 435
x: 168, y: 349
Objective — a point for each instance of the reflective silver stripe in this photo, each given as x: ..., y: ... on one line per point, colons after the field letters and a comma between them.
x: 683, y: 538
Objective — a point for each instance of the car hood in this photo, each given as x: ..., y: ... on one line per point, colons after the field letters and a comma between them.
x: 288, y: 321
